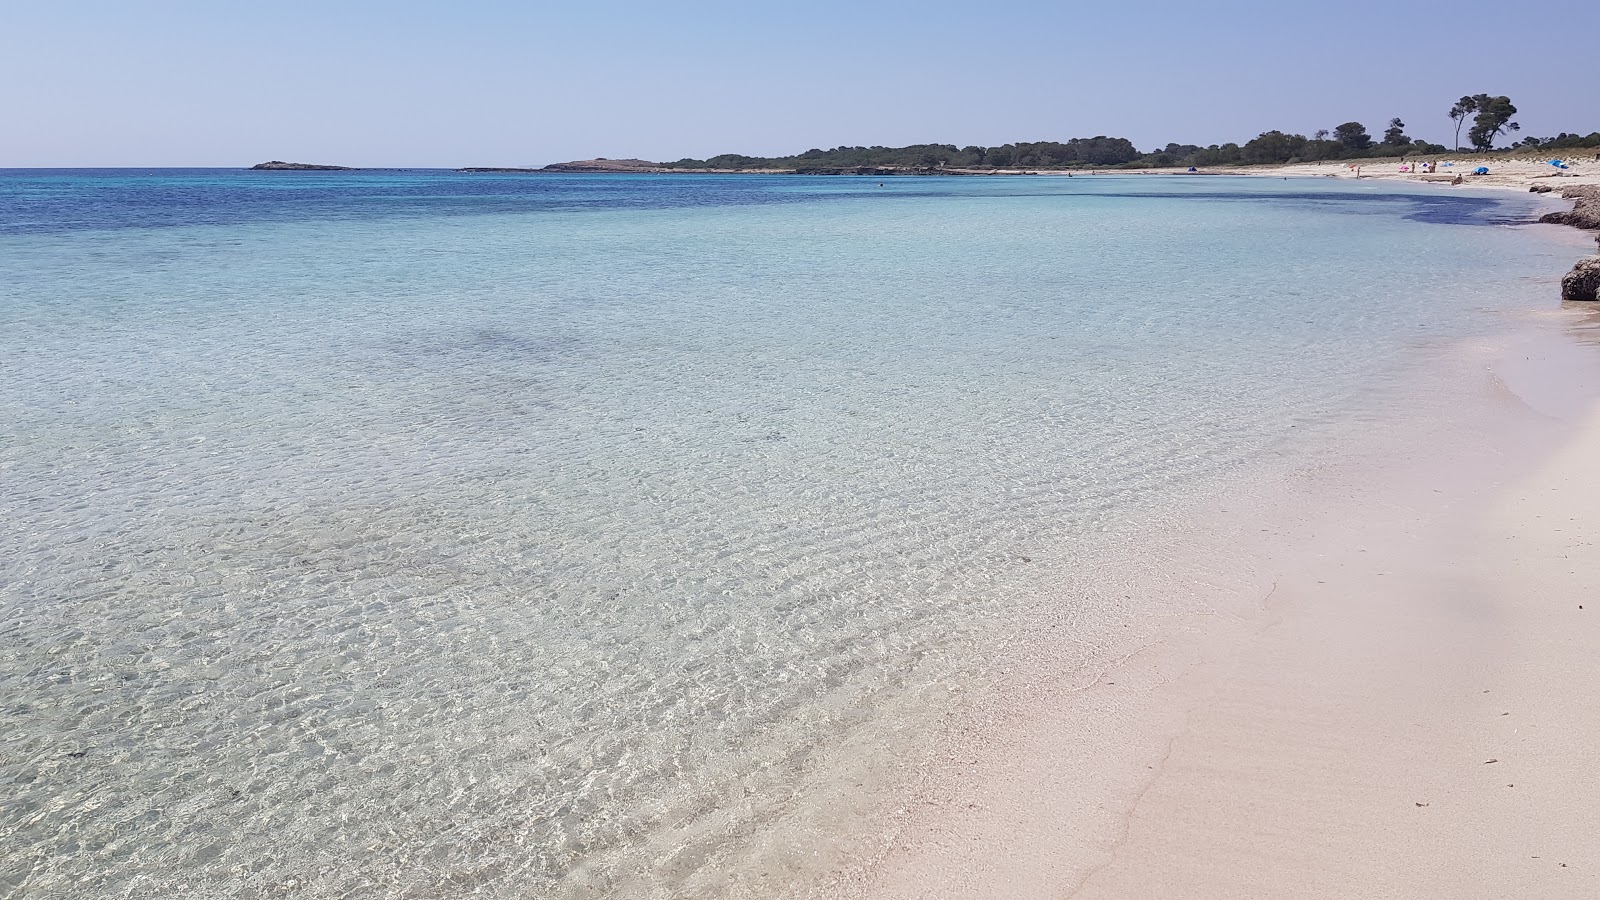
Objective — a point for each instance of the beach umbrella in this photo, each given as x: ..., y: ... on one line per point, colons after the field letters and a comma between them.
x: 1481, y: 170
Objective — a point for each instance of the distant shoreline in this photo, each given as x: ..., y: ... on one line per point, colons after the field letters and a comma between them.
x: 1525, y: 171
x: 1517, y: 170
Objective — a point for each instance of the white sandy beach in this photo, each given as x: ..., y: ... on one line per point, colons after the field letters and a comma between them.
x: 1394, y: 690
x: 1507, y: 171
x: 1417, y: 719
x: 1511, y: 172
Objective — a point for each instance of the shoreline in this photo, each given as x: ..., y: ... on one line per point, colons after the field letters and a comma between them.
x: 1037, y: 786
x: 1323, y: 730
x: 1416, y: 715
x: 1507, y: 169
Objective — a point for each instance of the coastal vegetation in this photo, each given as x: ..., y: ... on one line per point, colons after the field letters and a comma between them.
x: 1490, y: 117
x: 1078, y: 152
x: 1562, y: 141
x: 1349, y: 140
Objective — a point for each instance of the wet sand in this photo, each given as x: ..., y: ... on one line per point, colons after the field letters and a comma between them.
x: 1420, y: 718
x: 1391, y: 691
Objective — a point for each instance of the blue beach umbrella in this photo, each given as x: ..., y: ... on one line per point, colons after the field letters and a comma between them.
x: 1481, y: 170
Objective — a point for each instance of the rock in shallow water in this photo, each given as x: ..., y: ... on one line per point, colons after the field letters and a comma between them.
x: 1584, y: 214
x: 1583, y: 282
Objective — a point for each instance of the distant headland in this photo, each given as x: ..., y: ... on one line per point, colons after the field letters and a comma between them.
x: 1489, y: 117
x: 600, y: 164
x: 1079, y: 154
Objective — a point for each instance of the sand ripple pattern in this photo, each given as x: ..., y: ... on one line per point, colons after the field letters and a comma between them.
x: 445, y: 554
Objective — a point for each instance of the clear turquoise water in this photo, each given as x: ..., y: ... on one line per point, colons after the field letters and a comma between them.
x: 416, y: 534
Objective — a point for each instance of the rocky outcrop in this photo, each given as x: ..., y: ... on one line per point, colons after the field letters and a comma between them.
x: 602, y: 164
x: 1583, y: 282
x: 278, y: 165
x: 1585, y: 213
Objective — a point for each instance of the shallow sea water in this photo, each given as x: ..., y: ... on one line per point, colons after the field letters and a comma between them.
x: 423, y: 534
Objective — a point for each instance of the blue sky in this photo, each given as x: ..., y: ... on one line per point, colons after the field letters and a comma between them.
x: 488, y: 82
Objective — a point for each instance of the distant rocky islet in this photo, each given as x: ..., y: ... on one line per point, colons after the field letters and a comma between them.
x: 278, y: 165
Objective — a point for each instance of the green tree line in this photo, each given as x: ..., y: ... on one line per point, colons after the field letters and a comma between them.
x: 1490, y: 118
x: 1078, y: 152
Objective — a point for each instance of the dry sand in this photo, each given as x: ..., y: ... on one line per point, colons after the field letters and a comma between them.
x: 1505, y: 172
x: 1395, y: 695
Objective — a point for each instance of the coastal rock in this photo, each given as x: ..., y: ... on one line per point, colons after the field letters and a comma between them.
x: 1540, y: 188
x: 1585, y: 213
x: 1583, y: 282
x: 601, y: 164
x: 278, y: 165
x: 1580, y: 216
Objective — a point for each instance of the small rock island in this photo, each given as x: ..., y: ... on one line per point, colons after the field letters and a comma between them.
x: 278, y: 165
